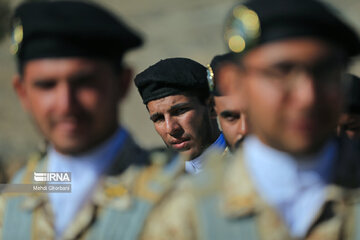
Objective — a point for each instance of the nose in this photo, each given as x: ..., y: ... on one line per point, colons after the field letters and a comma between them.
x: 66, y: 100
x: 242, y: 129
x: 173, y: 128
x: 305, y: 91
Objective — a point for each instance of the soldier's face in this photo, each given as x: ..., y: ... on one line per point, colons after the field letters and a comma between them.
x: 231, y: 118
x: 293, y: 93
x: 183, y: 123
x: 73, y: 101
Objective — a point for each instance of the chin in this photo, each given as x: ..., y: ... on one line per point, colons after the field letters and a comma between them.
x: 72, y: 148
x: 301, y: 148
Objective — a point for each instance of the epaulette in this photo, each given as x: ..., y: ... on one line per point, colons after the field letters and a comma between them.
x: 210, y: 179
x: 154, y: 181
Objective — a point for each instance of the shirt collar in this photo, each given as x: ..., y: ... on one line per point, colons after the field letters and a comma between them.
x: 269, y: 167
x: 196, y: 165
x: 97, y: 159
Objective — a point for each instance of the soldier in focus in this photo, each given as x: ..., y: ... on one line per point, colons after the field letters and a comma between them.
x: 70, y: 80
x: 230, y: 112
x: 176, y: 95
x: 292, y: 179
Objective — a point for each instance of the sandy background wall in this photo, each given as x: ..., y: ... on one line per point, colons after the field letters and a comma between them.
x: 172, y: 28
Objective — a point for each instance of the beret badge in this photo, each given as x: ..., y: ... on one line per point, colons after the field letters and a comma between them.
x: 16, y: 36
x: 210, y: 77
x: 242, y: 29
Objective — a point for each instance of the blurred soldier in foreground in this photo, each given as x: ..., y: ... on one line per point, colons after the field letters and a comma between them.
x: 230, y: 113
x: 71, y: 79
x: 176, y: 95
x: 349, y: 123
x: 293, y: 179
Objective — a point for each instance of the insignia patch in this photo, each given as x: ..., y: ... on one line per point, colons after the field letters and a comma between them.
x: 242, y: 29
x: 17, y: 36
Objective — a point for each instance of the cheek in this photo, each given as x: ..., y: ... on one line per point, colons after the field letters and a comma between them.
x: 263, y: 102
x: 160, y: 129
x: 191, y: 122
x: 96, y: 100
x: 41, y: 103
x: 89, y: 98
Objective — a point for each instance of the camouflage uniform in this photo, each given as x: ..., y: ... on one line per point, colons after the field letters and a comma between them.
x: 116, y: 209
x: 223, y: 203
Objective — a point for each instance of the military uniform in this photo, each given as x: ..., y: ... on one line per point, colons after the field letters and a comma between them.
x: 223, y: 203
x: 114, y: 182
x: 242, y: 197
x: 116, y: 209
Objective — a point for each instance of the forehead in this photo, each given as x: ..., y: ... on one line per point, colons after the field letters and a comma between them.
x: 165, y: 104
x: 227, y: 103
x: 61, y: 67
x: 305, y: 49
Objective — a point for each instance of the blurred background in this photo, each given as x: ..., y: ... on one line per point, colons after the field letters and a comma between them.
x: 176, y: 28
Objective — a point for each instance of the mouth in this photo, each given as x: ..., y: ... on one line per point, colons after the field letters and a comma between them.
x: 306, y: 126
x: 180, y: 144
x: 69, y: 124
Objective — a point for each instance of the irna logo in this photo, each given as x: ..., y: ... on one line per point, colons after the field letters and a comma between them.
x: 52, y: 176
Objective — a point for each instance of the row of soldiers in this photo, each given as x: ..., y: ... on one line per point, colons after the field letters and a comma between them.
x: 280, y: 85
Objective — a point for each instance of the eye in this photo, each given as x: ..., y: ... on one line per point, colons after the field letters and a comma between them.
x: 180, y: 111
x: 84, y: 81
x: 279, y: 71
x: 44, y: 85
x: 230, y: 117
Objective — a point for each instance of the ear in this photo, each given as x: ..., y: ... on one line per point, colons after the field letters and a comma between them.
x: 211, y: 106
x: 19, y: 87
x: 125, y: 77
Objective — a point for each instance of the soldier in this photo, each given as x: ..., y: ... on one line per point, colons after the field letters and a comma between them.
x: 176, y: 95
x: 231, y: 115
x: 70, y: 81
x: 349, y: 122
x: 292, y: 179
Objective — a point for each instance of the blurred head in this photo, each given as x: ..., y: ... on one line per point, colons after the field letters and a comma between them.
x: 287, y: 86
x: 73, y: 101
x: 69, y: 80
x: 176, y: 94
x: 349, y: 123
x: 291, y: 61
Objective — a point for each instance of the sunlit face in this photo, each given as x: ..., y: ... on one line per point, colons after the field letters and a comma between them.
x: 293, y: 93
x: 183, y: 123
x: 350, y: 125
x: 231, y: 118
x: 73, y: 101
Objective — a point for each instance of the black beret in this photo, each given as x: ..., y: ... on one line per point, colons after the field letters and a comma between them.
x: 170, y: 77
x: 260, y: 21
x: 352, y: 94
x: 213, y: 67
x: 69, y: 29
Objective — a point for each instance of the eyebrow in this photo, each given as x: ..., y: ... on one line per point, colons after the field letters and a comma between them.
x: 228, y: 113
x: 155, y: 116
x: 179, y: 105
x: 172, y: 109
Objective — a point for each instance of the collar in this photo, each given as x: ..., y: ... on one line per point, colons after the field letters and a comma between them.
x: 270, y: 167
x: 95, y: 160
x: 196, y: 165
